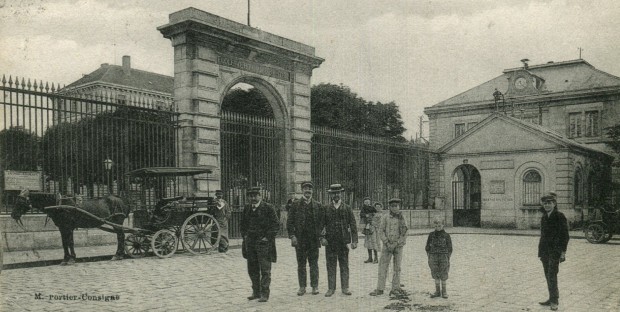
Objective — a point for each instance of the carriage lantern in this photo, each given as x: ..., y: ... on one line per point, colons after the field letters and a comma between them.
x: 107, y: 164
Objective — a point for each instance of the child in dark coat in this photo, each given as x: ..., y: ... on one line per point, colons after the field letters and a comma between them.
x: 439, y: 250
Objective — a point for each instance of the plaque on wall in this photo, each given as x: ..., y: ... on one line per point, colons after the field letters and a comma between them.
x: 497, y: 187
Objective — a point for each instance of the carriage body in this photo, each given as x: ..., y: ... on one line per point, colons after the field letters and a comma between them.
x: 604, y: 223
x: 165, y: 218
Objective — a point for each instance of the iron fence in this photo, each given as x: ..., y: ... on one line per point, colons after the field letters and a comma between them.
x: 369, y: 166
x: 78, y: 143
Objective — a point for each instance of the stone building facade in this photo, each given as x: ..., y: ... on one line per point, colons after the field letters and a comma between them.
x: 528, y: 131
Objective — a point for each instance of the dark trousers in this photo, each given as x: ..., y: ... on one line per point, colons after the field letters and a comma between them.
x: 551, y: 266
x: 334, y: 255
x: 310, y: 255
x: 259, y: 267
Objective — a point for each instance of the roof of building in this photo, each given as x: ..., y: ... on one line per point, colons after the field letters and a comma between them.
x: 138, y: 79
x: 533, y: 128
x: 568, y: 76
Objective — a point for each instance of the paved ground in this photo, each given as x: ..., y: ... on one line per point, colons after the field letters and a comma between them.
x: 488, y: 273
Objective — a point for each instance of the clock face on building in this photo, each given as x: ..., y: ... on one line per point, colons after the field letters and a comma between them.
x: 520, y: 83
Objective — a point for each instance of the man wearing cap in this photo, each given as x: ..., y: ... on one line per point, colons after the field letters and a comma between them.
x: 552, y: 246
x: 304, y: 229
x: 221, y: 213
x: 393, y: 233
x: 339, y: 229
x: 259, y: 227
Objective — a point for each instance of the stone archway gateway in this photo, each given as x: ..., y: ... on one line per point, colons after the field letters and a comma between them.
x: 212, y: 54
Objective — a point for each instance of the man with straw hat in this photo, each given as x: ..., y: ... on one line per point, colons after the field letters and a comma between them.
x: 339, y: 229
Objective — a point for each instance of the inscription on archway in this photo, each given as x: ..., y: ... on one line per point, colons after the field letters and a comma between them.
x: 212, y: 54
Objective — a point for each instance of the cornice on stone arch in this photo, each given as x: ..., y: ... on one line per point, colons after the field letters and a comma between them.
x: 275, y: 99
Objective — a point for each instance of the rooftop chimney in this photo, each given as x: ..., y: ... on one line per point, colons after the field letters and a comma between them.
x: 126, y: 64
x: 524, y: 61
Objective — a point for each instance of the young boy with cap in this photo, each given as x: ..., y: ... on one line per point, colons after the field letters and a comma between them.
x: 439, y: 250
x: 393, y: 233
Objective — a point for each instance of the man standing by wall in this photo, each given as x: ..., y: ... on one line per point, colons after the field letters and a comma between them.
x: 259, y: 227
x: 552, y: 246
x: 340, y: 229
x: 304, y: 229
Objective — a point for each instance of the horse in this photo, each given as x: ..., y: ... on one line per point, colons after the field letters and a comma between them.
x: 109, y: 208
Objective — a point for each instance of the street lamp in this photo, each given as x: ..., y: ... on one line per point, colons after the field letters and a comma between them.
x: 107, y: 164
x: 497, y: 96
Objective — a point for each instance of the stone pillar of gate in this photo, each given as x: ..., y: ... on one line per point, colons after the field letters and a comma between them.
x: 211, y: 55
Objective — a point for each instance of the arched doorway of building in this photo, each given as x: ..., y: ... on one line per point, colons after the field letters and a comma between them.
x: 252, y: 141
x: 466, y: 197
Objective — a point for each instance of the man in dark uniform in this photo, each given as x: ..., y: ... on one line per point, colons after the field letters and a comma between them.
x: 552, y: 246
x: 304, y: 229
x: 339, y: 229
x: 259, y: 226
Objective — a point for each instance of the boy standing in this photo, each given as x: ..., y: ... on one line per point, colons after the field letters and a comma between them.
x: 393, y: 232
x: 439, y: 250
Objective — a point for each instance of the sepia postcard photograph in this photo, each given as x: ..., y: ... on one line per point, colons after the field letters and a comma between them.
x: 296, y: 155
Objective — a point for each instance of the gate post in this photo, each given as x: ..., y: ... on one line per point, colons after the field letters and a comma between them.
x: 210, y: 54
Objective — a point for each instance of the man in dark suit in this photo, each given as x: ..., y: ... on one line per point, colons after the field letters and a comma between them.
x: 339, y: 229
x: 304, y: 230
x: 552, y: 246
x: 259, y: 227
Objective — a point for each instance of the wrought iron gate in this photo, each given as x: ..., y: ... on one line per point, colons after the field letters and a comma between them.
x: 251, y: 155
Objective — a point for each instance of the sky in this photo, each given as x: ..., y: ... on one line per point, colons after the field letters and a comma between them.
x: 413, y: 52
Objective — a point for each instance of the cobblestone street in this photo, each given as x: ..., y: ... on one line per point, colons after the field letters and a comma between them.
x: 488, y: 273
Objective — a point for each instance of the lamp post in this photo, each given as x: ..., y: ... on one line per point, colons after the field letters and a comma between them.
x: 498, y: 96
x: 107, y: 164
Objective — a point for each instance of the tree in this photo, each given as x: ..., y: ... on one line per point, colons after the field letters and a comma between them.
x: 19, y: 149
x: 336, y: 106
x: 333, y: 106
x: 132, y: 138
x: 251, y: 102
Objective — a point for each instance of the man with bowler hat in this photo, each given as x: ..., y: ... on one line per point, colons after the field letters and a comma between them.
x: 339, y: 229
x: 304, y: 229
x: 259, y: 227
x: 552, y: 246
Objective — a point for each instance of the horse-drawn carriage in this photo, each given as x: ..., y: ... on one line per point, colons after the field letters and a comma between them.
x: 163, y: 214
x: 603, y: 224
x: 183, y: 218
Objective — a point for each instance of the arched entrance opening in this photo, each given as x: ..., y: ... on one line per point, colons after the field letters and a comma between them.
x: 252, y: 143
x: 466, y: 191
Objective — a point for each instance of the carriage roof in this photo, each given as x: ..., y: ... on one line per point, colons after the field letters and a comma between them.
x: 169, y: 171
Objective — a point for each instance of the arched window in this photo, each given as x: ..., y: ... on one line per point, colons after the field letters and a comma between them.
x: 532, y: 186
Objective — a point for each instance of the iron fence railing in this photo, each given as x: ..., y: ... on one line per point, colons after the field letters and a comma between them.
x: 370, y: 166
x: 78, y: 142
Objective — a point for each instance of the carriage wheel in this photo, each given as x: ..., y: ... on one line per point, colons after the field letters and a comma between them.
x: 136, y: 245
x: 164, y: 243
x: 200, y: 233
x: 595, y: 233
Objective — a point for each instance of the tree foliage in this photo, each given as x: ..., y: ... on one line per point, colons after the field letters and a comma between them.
x: 251, y: 102
x: 130, y: 138
x: 333, y: 106
x: 336, y: 106
x: 19, y: 149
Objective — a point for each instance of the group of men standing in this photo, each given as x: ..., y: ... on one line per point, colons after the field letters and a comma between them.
x: 310, y: 226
